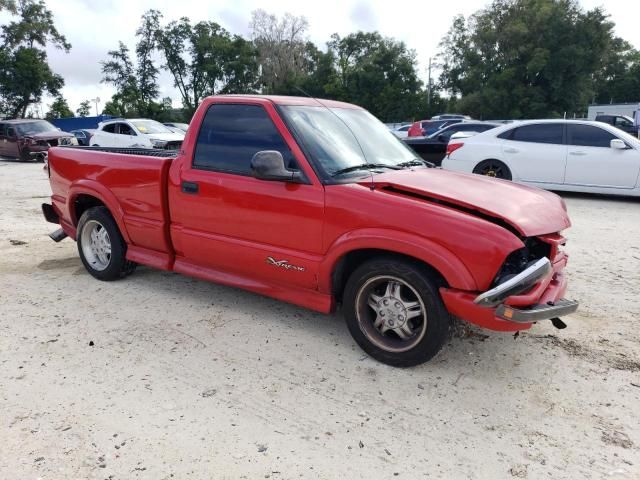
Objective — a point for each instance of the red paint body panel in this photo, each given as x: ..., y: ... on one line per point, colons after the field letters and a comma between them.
x: 285, y: 240
x: 531, y: 211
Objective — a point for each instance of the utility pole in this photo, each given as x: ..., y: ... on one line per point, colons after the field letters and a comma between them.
x: 97, y: 101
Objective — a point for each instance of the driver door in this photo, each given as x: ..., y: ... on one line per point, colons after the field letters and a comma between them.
x: 226, y: 220
x: 126, y: 136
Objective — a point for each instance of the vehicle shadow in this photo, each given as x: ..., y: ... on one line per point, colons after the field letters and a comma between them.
x: 598, y: 197
x: 467, y: 347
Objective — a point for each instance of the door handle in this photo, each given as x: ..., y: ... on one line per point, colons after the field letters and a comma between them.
x: 577, y: 153
x: 189, y: 187
x: 511, y: 150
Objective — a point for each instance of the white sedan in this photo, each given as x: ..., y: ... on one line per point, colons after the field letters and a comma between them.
x: 569, y: 155
x: 136, y: 133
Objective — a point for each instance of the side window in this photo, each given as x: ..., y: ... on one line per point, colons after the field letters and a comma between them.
x: 111, y: 128
x: 539, y: 133
x: 589, y: 136
x: 125, y: 129
x: 231, y: 135
x: 623, y: 122
x: 3, y: 130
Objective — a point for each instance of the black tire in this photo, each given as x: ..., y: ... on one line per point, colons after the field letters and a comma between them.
x: 417, y: 285
x: 116, y: 265
x: 493, y: 168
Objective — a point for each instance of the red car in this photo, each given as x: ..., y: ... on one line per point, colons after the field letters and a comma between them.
x: 29, y: 139
x: 424, y: 128
x: 294, y: 198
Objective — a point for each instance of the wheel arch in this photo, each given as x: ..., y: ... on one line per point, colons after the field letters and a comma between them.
x: 354, y: 248
x: 86, y: 194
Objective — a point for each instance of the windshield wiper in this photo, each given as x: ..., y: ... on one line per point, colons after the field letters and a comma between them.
x: 364, y: 166
x: 416, y: 162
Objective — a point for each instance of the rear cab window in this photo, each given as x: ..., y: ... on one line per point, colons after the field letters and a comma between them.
x: 231, y: 134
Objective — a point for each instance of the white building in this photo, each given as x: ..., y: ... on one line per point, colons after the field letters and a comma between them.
x: 627, y: 109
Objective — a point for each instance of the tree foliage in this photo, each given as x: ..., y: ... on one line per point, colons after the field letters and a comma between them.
x: 376, y: 72
x: 205, y: 59
x: 84, y: 110
x: 25, y: 74
x: 619, y: 79
x: 284, y: 54
x: 59, y: 109
x: 525, y: 58
x: 136, y: 84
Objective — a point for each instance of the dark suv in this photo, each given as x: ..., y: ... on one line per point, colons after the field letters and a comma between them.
x: 23, y: 137
x: 622, y: 122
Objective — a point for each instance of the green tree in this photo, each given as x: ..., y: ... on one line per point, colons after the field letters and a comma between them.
x: 25, y: 74
x: 525, y: 58
x: 85, y: 109
x: 283, y: 49
x: 377, y: 73
x: 59, y: 109
x: 619, y: 78
x: 136, y: 84
x: 204, y: 59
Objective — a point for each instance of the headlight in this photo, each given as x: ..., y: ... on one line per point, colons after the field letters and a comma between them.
x: 158, y: 143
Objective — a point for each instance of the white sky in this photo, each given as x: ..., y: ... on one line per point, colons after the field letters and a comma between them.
x: 95, y: 26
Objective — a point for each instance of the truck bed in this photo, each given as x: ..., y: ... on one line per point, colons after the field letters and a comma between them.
x: 132, y: 183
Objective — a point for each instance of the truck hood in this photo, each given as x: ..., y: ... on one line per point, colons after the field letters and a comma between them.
x: 527, y: 210
x: 49, y: 135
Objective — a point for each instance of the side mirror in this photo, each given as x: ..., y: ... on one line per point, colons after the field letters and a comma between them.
x: 269, y: 165
x: 618, y: 144
x: 441, y: 138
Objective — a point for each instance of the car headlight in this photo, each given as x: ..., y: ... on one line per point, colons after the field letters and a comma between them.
x: 158, y: 143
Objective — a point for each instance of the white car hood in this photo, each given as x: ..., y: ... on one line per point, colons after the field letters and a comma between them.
x: 169, y: 137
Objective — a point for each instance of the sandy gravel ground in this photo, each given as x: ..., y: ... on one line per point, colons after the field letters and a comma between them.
x: 161, y: 376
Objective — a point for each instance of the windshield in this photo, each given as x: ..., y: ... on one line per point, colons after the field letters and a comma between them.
x: 181, y: 126
x: 150, y: 127
x: 33, y: 128
x: 330, y: 136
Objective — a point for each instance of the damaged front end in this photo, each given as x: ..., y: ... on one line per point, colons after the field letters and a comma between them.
x: 528, y: 288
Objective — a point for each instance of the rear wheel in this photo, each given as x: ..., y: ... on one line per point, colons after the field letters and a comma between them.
x: 101, y: 246
x: 493, y: 168
x: 394, y: 312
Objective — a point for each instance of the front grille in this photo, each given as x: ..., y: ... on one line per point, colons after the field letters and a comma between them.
x: 53, y: 142
x: 534, y: 249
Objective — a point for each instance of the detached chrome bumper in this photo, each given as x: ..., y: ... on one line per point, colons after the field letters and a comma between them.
x: 518, y: 284
x: 537, y: 312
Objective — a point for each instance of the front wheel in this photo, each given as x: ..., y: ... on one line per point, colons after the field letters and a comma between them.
x: 101, y: 246
x: 494, y: 169
x: 394, y: 311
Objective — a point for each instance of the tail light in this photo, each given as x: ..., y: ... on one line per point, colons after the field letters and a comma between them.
x: 452, y: 147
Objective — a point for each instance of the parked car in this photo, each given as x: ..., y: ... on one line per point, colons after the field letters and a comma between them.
x: 136, y: 133
x: 28, y: 139
x: 83, y: 136
x: 622, y: 122
x: 572, y: 155
x: 177, y: 126
x: 340, y: 212
x: 450, y: 116
x: 402, y: 131
x: 434, y: 147
x: 424, y: 128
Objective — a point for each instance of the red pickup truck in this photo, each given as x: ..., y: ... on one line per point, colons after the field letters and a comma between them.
x: 316, y: 203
